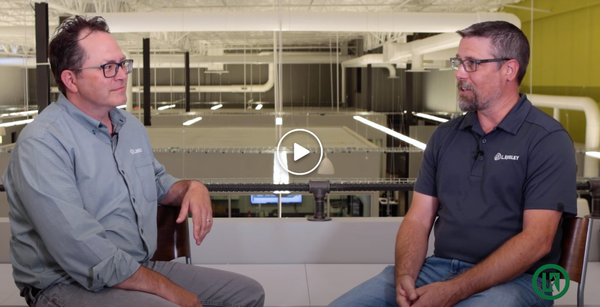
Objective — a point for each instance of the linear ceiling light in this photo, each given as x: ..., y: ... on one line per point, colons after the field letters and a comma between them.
x: 191, y: 121
x: 18, y: 122
x: 216, y: 107
x: 166, y: 107
x: 391, y: 132
x: 24, y: 113
x: 123, y: 106
x: 593, y: 154
x: 431, y: 117
x: 258, y: 106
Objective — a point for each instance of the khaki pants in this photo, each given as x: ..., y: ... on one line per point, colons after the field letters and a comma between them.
x: 213, y: 287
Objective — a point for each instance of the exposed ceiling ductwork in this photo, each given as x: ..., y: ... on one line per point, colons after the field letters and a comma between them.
x: 299, y: 21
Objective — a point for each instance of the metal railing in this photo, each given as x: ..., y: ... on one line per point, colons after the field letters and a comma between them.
x: 320, y: 188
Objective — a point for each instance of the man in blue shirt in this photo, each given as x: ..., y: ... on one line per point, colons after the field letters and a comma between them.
x: 499, y: 179
x: 83, y: 188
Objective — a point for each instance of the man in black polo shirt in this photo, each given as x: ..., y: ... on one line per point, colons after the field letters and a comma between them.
x: 500, y: 178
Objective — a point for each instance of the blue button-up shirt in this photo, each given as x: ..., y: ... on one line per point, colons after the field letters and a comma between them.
x: 82, y: 202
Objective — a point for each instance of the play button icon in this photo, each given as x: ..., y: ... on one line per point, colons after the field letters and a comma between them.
x: 306, y: 152
x: 299, y: 152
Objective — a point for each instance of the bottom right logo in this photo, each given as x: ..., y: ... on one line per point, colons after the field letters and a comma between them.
x: 550, y: 279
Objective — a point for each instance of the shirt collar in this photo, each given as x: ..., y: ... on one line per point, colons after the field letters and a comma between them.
x: 511, y: 122
x: 515, y: 118
x: 91, y: 124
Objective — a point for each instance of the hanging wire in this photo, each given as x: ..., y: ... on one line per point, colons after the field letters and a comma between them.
x: 245, y: 101
x: 307, y: 99
x: 337, y: 68
x: 331, y: 73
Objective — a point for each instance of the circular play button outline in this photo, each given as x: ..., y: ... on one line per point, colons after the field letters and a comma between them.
x: 320, y: 146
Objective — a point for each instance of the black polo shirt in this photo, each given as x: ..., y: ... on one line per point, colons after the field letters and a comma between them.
x: 484, y: 182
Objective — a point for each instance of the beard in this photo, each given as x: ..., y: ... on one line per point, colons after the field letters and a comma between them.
x: 471, y: 102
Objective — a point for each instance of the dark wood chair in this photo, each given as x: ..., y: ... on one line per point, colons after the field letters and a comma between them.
x: 173, y: 238
x: 575, y: 247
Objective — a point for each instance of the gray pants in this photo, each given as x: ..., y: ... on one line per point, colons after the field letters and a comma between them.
x: 213, y: 287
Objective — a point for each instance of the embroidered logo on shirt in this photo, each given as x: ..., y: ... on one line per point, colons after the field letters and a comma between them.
x: 500, y: 156
x: 135, y: 151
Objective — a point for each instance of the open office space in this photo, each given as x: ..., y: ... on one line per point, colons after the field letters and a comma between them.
x: 307, y: 120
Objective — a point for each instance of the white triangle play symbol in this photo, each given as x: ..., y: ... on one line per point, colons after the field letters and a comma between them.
x: 299, y: 152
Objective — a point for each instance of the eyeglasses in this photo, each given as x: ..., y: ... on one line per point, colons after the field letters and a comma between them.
x: 111, y: 69
x: 471, y: 65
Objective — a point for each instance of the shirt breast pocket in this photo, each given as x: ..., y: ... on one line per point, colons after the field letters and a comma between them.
x: 147, y: 180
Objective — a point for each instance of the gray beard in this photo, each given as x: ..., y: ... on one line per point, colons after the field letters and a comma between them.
x: 468, y: 104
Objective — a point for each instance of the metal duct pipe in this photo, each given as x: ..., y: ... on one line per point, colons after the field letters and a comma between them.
x: 224, y: 21
x: 18, y: 62
x: 176, y: 60
x: 592, y: 122
x: 431, y: 22
x: 376, y: 60
x: 396, y: 52
x: 238, y: 88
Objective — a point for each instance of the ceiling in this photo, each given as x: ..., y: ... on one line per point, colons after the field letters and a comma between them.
x: 17, y: 21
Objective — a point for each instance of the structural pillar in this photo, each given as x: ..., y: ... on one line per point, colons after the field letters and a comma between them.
x: 42, y: 69
x: 187, y: 81
x: 146, y: 78
x: 369, y: 88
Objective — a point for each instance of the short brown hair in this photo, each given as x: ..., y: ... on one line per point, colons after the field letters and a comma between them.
x: 508, y: 41
x: 64, y: 50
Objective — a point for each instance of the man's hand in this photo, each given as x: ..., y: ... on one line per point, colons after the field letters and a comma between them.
x: 405, y: 291
x: 197, y: 201
x: 149, y: 281
x: 437, y: 294
x: 182, y: 297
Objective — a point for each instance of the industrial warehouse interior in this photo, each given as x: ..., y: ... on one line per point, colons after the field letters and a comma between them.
x: 254, y: 93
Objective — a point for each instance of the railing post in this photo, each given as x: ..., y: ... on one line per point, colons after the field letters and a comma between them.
x: 594, y: 189
x: 319, y: 189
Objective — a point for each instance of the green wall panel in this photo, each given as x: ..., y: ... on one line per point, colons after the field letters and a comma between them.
x: 566, y: 53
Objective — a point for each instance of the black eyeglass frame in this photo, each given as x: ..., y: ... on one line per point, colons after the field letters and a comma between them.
x: 128, y: 64
x: 475, y: 62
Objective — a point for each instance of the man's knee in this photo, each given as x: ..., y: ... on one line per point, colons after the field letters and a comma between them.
x: 508, y: 294
x: 253, y: 290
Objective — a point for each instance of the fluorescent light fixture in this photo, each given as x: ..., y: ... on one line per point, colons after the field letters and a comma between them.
x: 18, y: 122
x: 278, y: 121
x: 216, y: 72
x: 216, y: 107
x: 593, y: 154
x: 281, y: 192
x: 258, y: 106
x: 122, y: 106
x: 191, y: 121
x: 391, y: 132
x: 431, y: 117
x: 24, y: 113
x: 166, y: 107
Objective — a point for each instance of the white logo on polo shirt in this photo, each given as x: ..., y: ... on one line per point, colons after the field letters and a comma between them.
x: 135, y: 151
x: 500, y: 156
